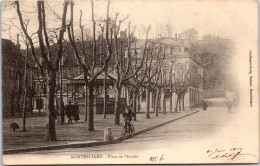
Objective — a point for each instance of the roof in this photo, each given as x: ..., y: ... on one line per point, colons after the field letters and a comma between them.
x: 169, y: 41
x: 80, y: 79
x: 190, y: 31
x: 138, y: 44
x: 166, y: 41
x: 100, y: 77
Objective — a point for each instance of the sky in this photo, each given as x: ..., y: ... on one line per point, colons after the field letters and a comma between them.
x: 207, y: 17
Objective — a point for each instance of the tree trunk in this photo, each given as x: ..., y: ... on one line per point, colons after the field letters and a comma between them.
x: 138, y: 103
x: 50, y: 134
x: 61, y: 104
x: 171, y: 103
x: 157, y: 102
x: 164, y: 104
x: 183, y: 103
x: 127, y: 96
x: 24, y: 109
x: 117, y: 105
x: 147, y: 112
x: 31, y: 105
x: 40, y: 98
x: 153, y: 101
x: 177, y: 102
x: 91, y: 107
x: 86, y: 97
x: 95, y: 99
x: 105, y: 99
x: 19, y: 92
x: 31, y: 99
x: 135, y: 102
x: 25, y: 91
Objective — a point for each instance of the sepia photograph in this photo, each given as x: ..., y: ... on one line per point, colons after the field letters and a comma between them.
x: 129, y: 82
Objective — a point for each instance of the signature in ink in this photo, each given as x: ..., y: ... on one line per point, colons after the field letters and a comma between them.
x: 228, y: 154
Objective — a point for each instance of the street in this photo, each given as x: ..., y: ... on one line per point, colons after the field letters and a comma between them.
x: 194, y: 137
x: 189, y: 129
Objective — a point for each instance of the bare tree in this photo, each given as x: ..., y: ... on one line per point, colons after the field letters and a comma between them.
x: 170, y: 83
x: 137, y: 81
x: 123, y: 67
x: 180, y: 85
x: 25, y: 75
x: 153, y: 71
x: 159, y: 82
x: 50, y: 58
x: 25, y: 88
x: 89, y: 64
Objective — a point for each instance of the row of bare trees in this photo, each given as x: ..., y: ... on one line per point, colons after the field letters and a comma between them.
x: 94, y: 52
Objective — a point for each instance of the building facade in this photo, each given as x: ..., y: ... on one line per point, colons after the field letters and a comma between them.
x: 180, y: 60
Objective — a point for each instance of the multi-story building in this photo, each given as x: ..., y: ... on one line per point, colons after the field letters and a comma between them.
x: 181, y: 62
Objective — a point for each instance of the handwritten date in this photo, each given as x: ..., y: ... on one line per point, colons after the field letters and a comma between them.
x: 228, y: 154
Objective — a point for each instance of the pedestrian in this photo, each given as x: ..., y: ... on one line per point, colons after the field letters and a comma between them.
x: 131, y: 105
x: 76, y: 112
x: 127, y: 115
x: 62, y: 111
x: 230, y: 105
x: 69, y: 112
x: 204, y: 105
x: 230, y: 99
x: 56, y: 113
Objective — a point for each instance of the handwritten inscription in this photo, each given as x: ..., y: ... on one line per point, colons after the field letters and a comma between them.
x: 157, y: 158
x: 227, y: 154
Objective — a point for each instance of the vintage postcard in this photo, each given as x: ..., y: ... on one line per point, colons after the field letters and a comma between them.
x: 129, y: 82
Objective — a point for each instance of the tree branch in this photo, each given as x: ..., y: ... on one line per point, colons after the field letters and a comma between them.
x: 28, y: 37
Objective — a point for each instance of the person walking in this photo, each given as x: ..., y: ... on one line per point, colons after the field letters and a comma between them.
x: 69, y: 112
x: 204, y: 105
x: 230, y: 99
x: 76, y: 112
x: 62, y: 114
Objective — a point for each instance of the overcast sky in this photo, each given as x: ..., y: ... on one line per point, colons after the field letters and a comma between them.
x: 207, y: 17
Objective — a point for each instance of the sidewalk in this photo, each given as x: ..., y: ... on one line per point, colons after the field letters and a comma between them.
x: 68, y: 134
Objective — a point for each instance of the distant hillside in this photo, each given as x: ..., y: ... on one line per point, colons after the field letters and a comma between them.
x: 216, y: 55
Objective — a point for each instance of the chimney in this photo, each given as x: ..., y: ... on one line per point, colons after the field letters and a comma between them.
x: 176, y: 37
